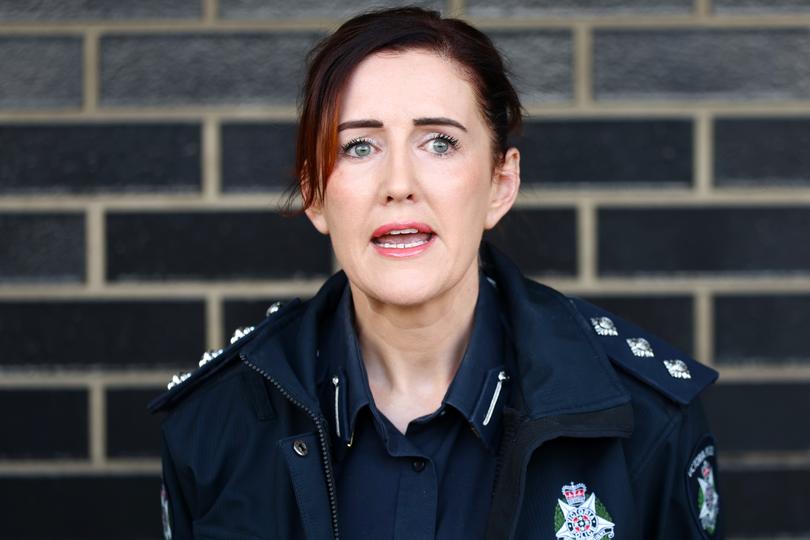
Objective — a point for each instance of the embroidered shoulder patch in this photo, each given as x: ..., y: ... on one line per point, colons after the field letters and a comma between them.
x: 702, y: 487
x: 164, y: 505
x: 581, y: 516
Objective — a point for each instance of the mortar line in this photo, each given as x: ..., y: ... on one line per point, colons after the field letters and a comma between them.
x: 456, y: 8
x: 703, y: 317
x: 281, y: 113
x: 210, y: 11
x: 583, y: 65
x: 210, y: 159
x: 703, y: 9
x: 97, y: 425
x: 618, y: 21
x: 703, y: 150
x: 214, y: 320
x: 90, y: 71
x: 95, y: 257
x: 79, y: 467
x: 587, y: 245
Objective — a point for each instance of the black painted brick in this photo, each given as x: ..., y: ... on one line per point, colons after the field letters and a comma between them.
x: 519, y: 9
x: 131, y: 431
x: 68, y: 507
x: 99, y: 158
x: 203, y: 69
x: 762, y: 329
x: 540, y: 62
x: 705, y: 240
x: 61, y: 10
x: 258, y: 157
x: 760, y: 7
x: 758, y: 417
x: 214, y: 245
x: 702, y: 64
x: 765, y: 503
x: 110, y: 334
x: 668, y: 317
x: 272, y: 9
x: 42, y: 246
x: 762, y: 151
x: 43, y: 423
x: 40, y: 72
x: 654, y: 152
x: 539, y: 241
x: 239, y: 313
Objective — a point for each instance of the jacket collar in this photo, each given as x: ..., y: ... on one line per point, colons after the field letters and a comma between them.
x: 560, y: 369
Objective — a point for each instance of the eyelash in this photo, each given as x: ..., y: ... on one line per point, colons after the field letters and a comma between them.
x: 452, y: 141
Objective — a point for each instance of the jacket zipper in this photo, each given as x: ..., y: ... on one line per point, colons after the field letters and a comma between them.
x: 327, y: 466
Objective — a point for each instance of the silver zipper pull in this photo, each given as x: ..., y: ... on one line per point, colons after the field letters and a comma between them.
x: 336, y: 382
x: 502, y: 376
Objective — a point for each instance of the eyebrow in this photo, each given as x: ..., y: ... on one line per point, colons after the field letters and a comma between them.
x: 430, y: 121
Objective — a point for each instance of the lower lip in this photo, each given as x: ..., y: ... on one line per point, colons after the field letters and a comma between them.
x: 404, y: 252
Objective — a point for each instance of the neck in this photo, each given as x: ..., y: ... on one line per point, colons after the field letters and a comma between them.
x: 412, y: 353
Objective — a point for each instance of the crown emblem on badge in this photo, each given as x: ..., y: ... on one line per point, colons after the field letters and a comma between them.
x: 582, y: 516
x: 574, y: 493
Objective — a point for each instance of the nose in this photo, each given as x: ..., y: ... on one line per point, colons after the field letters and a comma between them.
x: 399, y: 181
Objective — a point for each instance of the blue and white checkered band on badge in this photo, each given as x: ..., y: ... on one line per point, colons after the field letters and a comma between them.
x: 164, y: 505
x: 702, y: 486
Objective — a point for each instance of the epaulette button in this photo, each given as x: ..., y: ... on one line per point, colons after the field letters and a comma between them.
x: 239, y: 333
x: 275, y: 306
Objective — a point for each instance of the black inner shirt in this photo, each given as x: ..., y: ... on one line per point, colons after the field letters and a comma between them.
x: 435, y: 481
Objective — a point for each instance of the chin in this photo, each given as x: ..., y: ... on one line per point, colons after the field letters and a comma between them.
x: 399, y: 290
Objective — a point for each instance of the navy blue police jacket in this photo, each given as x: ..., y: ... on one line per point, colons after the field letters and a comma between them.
x: 603, y: 435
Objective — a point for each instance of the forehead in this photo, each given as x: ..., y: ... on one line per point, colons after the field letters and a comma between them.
x: 408, y: 84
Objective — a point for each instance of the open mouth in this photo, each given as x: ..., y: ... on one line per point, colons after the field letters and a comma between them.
x: 402, y: 235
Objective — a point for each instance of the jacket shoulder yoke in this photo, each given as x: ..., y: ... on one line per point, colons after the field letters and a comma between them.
x: 645, y: 356
x: 214, y: 361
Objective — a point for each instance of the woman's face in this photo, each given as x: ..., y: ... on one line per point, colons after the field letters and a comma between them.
x: 413, y: 187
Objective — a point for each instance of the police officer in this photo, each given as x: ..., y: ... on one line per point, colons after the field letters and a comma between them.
x: 430, y: 390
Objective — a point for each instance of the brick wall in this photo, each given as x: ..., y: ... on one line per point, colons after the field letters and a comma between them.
x: 144, y: 147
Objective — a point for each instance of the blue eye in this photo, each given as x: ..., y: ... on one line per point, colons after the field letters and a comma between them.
x: 442, y: 144
x: 361, y: 147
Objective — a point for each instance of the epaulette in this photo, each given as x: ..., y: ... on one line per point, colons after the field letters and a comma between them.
x: 654, y: 361
x: 214, y: 360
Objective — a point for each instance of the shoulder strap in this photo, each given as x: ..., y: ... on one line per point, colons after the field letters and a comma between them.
x: 648, y: 358
x: 213, y: 361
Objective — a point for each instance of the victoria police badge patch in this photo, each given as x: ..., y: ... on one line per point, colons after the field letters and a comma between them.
x: 700, y: 478
x: 580, y: 516
x: 164, y: 505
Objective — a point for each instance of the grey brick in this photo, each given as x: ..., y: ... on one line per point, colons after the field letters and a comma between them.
x: 762, y: 151
x: 40, y: 72
x: 56, y: 10
x: 273, y: 9
x: 538, y: 8
x: 203, y: 69
x: 226, y: 245
x: 730, y: 64
x: 41, y: 247
x: 614, y: 152
x: 762, y: 329
x: 760, y: 7
x: 704, y: 240
x: 257, y: 157
x: 69, y: 158
x: 541, y: 62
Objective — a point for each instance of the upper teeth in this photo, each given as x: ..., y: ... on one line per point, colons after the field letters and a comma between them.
x: 404, y: 231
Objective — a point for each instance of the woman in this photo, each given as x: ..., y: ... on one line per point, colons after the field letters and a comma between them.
x: 429, y: 390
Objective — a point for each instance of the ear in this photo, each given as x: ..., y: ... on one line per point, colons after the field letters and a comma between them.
x: 504, y: 187
x: 315, y: 213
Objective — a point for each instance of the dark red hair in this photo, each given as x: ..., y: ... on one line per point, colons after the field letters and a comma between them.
x: 332, y: 61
